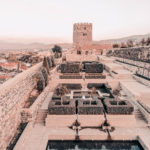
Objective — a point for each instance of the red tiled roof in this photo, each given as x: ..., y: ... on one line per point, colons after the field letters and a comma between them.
x: 8, y: 64
x: 5, y: 77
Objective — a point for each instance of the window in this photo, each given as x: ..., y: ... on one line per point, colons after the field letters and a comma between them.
x: 84, y: 34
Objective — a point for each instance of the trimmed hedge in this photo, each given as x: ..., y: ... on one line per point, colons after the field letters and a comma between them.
x: 95, y: 76
x: 70, y: 77
x: 90, y: 107
x: 65, y: 108
x: 73, y: 86
x: 70, y: 67
x: 118, y: 106
x: 93, y: 67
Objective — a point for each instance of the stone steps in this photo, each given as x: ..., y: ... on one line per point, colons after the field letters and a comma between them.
x: 41, y: 115
x: 139, y: 115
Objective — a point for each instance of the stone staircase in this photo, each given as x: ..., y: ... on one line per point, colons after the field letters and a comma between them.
x: 41, y: 116
x: 139, y: 115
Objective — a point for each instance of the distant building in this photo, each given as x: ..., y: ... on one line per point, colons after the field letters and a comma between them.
x: 82, y: 34
x: 82, y: 40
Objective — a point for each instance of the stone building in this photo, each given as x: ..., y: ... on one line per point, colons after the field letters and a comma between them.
x: 82, y: 40
x: 82, y: 34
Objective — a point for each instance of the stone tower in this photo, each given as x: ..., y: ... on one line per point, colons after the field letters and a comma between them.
x: 82, y: 34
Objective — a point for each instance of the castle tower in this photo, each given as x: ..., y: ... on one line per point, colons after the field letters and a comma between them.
x: 82, y: 34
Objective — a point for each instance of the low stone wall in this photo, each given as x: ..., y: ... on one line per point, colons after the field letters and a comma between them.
x: 13, y: 94
x: 141, y: 80
x: 137, y: 67
x: 140, y: 54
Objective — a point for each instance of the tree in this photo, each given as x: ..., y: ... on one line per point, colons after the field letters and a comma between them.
x: 142, y: 42
x: 45, y: 64
x: 116, y: 92
x: 109, y: 53
x: 123, y: 45
x: 61, y: 91
x: 148, y: 41
x: 129, y: 43
x: 115, y: 45
x: 57, y: 49
x: 93, y: 91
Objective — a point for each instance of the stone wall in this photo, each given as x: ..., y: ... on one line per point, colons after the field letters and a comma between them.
x: 13, y: 94
x: 137, y: 59
x: 137, y: 67
x: 141, y: 54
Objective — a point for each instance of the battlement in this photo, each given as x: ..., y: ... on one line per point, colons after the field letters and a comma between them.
x: 78, y: 26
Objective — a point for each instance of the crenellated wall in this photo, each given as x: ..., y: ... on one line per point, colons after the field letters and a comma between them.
x: 13, y: 94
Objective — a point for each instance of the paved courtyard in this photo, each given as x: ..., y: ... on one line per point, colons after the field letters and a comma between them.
x: 36, y: 136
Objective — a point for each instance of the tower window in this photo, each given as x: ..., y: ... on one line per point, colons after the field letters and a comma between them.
x: 84, y: 34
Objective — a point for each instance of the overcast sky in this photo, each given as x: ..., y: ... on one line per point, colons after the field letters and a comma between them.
x: 55, y: 18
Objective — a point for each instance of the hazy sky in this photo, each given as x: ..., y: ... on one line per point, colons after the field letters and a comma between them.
x: 55, y: 18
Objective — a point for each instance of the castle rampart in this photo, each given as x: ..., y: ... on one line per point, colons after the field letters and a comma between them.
x: 13, y: 94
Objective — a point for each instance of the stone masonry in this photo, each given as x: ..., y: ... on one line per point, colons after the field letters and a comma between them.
x: 13, y: 94
x: 82, y: 34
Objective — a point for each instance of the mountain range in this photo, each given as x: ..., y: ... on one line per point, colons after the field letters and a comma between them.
x: 4, y: 44
x: 134, y: 38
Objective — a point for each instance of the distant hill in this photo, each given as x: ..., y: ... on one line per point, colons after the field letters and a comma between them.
x: 4, y: 44
x: 13, y: 46
x: 134, y: 38
x: 20, y: 46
